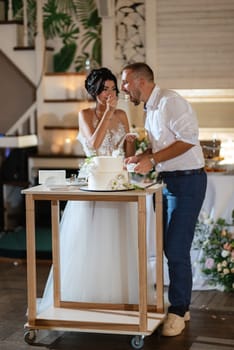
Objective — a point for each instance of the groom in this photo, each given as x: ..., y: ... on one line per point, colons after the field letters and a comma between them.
x: 177, y: 156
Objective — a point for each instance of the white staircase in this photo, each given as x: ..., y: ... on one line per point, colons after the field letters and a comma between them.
x: 32, y: 62
x: 10, y: 38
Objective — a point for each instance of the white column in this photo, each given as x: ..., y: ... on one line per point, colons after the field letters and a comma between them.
x: 108, y: 43
x: 10, y: 11
x: 151, y: 34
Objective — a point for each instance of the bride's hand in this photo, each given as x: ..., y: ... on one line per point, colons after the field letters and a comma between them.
x: 111, y: 103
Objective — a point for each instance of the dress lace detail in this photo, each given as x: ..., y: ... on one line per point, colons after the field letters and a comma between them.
x: 110, y: 142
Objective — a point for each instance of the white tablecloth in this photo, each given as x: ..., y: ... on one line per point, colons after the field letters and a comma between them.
x: 219, y: 200
x: 218, y: 203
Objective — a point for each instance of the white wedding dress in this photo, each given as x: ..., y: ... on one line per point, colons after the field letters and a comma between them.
x: 98, y: 246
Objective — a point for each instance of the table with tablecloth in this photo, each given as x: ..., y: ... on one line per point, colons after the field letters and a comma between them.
x: 219, y: 199
x: 218, y: 203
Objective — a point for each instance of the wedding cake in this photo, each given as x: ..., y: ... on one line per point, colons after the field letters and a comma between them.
x: 107, y: 173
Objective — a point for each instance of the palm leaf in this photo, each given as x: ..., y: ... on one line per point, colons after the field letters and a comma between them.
x: 80, y: 62
x: 84, y: 8
x: 54, y: 21
x: 70, y: 34
x: 97, y: 52
x: 63, y: 59
x: 66, y: 6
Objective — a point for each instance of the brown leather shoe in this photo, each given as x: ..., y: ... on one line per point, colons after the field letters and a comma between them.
x: 173, y: 325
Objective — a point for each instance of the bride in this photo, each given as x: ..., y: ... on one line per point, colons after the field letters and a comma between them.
x: 98, y: 240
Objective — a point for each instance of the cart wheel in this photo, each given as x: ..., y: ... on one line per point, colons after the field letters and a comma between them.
x: 137, y: 342
x: 30, y: 336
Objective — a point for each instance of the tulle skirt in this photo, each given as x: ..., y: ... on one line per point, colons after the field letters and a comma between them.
x: 99, y: 253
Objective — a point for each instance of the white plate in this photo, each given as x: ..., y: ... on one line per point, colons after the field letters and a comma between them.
x: 76, y: 183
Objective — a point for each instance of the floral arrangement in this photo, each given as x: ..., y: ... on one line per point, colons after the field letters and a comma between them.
x: 217, y: 243
x: 202, y: 231
x: 142, y: 144
x: 85, y: 168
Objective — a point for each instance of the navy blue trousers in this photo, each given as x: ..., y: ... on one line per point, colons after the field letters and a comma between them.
x: 182, y: 200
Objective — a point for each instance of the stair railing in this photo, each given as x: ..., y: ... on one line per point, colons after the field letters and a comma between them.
x: 26, y: 124
x: 29, y: 117
x: 25, y: 22
x: 10, y: 17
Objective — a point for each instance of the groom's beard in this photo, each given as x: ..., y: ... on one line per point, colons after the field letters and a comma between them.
x: 135, y: 100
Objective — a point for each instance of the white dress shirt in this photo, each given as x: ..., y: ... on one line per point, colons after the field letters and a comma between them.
x: 170, y: 118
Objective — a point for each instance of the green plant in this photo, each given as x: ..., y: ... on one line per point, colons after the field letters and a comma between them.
x: 63, y: 59
x: 55, y: 23
x: 62, y: 19
x: 59, y: 23
x: 88, y: 15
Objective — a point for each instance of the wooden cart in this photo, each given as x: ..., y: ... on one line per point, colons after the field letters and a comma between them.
x: 138, y: 320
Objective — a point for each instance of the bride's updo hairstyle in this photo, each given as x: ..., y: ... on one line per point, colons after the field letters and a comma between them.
x: 95, y: 81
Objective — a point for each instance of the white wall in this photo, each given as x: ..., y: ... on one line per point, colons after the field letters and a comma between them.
x: 185, y: 51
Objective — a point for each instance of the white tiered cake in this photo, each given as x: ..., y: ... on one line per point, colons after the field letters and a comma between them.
x: 107, y: 173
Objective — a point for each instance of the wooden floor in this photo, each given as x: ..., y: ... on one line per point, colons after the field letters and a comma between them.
x: 211, y: 326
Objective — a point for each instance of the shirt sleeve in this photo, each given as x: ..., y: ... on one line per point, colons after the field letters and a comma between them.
x: 181, y: 120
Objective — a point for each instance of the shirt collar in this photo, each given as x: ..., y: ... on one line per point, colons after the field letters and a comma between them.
x: 153, y: 99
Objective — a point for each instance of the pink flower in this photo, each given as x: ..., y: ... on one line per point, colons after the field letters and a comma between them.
x: 209, y: 263
x: 227, y: 246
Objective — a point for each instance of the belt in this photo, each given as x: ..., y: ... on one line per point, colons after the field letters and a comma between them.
x: 164, y: 174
